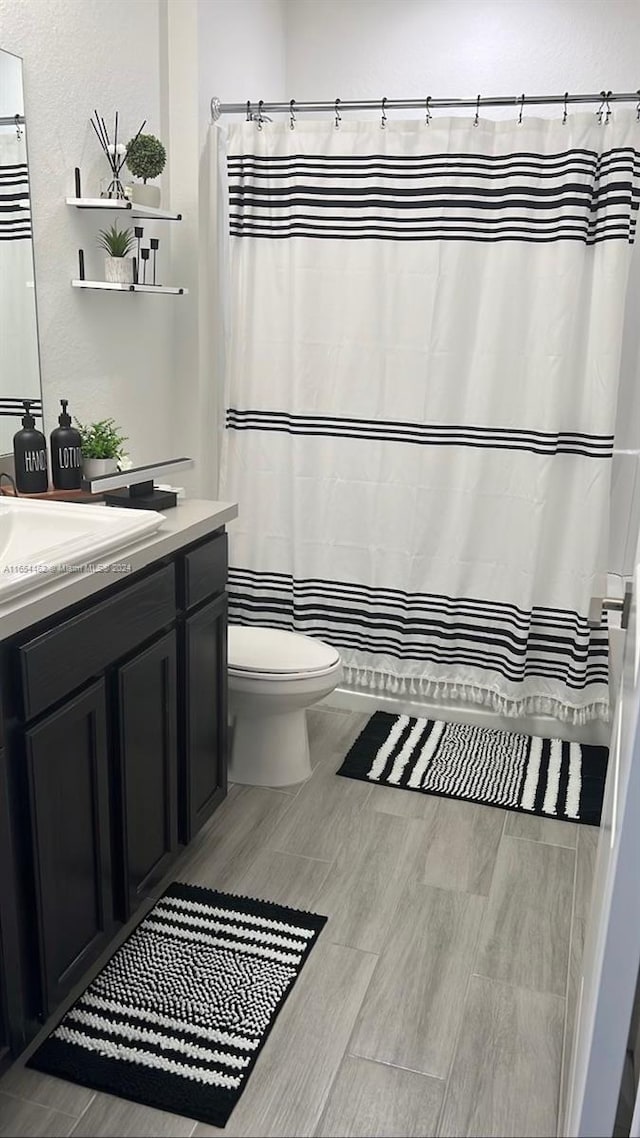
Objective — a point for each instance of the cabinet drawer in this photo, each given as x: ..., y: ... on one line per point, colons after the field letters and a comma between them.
x: 59, y: 661
x: 205, y: 570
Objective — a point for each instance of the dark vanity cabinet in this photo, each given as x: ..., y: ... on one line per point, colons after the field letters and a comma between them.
x: 115, y: 755
x: 147, y: 778
x: 66, y: 755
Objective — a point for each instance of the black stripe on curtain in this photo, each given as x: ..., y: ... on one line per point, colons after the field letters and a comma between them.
x: 544, y: 642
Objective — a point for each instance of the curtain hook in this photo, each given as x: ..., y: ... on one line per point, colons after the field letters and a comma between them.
x: 18, y: 131
x: 429, y: 116
x: 564, y: 111
x: 249, y: 115
x: 604, y: 108
x: 383, y: 117
x: 292, y: 115
x: 521, y: 110
x: 477, y: 118
x: 338, y: 116
x: 260, y: 119
x: 638, y: 106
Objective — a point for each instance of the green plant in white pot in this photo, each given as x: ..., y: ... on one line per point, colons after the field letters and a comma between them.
x: 102, y: 447
x: 117, y: 244
x: 146, y: 157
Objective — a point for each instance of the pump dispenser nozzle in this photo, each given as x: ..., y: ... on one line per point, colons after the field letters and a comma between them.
x: 28, y: 419
x: 64, y: 419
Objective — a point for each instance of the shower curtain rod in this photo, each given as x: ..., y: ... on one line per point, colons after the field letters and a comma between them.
x: 11, y: 120
x: 251, y: 108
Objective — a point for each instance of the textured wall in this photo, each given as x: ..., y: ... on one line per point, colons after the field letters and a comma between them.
x: 109, y: 354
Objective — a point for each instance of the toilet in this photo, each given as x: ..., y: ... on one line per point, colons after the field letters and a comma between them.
x: 273, y: 677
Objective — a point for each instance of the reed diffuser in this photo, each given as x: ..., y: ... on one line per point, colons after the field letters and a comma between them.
x: 115, y: 152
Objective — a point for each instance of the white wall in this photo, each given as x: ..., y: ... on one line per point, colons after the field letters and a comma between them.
x: 109, y: 354
x: 457, y: 49
x: 207, y: 46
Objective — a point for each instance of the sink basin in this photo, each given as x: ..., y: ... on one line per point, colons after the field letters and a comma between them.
x: 40, y: 541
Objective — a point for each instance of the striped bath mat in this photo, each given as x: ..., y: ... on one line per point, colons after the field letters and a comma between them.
x: 497, y: 768
x: 178, y: 1016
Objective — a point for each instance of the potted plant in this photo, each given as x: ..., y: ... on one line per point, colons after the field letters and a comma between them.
x: 117, y: 243
x: 146, y: 157
x: 101, y: 445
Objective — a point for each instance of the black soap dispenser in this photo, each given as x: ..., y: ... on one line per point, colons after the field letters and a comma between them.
x: 30, y: 456
x: 66, y: 453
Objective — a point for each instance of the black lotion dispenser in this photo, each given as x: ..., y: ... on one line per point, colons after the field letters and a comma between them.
x: 66, y: 453
x: 30, y: 456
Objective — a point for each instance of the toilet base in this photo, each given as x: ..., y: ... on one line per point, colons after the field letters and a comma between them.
x: 270, y: 750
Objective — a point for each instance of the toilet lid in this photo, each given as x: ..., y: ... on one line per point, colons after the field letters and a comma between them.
x: 270, y: 650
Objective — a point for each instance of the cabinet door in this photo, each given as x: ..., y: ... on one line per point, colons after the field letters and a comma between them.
x: 66, y: 758
x: 148, y: 767
x: 204, y: 773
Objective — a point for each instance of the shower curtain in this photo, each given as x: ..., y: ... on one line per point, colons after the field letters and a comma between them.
x: 426, y: 325
x: 19, y: 368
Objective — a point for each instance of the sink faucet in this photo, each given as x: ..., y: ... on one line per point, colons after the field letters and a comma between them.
x: 3, y: 474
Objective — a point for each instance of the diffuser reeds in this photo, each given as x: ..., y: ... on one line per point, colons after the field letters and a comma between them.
x: 116, y: 153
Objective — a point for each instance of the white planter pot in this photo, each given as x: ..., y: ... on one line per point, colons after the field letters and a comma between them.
x: 144, y: 193
x: 118, y: 270
x: 96, y: 467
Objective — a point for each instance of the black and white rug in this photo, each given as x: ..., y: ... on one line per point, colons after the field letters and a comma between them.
x: 497, y: 768
x: 178, y: 1016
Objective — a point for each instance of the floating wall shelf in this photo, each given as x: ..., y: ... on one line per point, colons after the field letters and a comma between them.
x: 131, y: 208
x: 108, y: 286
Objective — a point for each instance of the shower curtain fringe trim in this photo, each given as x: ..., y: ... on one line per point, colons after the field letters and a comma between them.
x: 377, y: 680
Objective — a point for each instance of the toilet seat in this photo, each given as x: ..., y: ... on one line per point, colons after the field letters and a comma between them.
x: 271, y: 654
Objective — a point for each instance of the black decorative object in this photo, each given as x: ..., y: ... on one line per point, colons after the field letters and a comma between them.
x: 139, y: 234
x: 155, y: 242
x: 525, y: 773
x: 66, y: 453
x: 30, y: 455
x: 144, y: 253
x: 179, y: 1015
x: 116, y: 154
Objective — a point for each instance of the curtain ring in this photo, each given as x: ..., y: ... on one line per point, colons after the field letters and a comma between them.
x: 429, y: 116
x: 260, y: 119
x: 18, y: 131
x: 564, y: 111
x: 477, y: 118
x: 604, y: 108
x: 638, y: 106
x: 292, y: 115
x: 521, y: 110
x: 338, y: 116
x: 249, y: 115
x: 607, y: 108
x: 383, y: 117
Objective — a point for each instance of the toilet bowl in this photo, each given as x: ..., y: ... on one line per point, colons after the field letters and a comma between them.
x: 273, y: 677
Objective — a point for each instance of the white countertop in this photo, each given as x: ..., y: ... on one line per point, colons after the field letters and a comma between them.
x: 187, y: 522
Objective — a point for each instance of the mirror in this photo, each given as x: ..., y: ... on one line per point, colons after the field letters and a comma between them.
x: 19, y: 359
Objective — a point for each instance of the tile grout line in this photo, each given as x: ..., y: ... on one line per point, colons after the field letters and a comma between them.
x: 81, y: 1116
x: 396, y: 1066
x: 345, y: 1052
x: 518, y: 987
x: 541, y: 842
x: 456, y: 1045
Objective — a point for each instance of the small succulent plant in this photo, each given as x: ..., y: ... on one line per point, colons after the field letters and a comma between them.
x: 116, y: 242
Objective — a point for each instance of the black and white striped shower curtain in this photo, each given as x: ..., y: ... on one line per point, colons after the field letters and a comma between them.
x: 19, y: 369
x: 426, y: 326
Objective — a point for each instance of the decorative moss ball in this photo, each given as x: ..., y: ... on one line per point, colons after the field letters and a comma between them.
x: 146, y: 156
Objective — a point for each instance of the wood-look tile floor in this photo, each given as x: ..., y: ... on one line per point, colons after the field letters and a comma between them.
x: 440, y: 997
